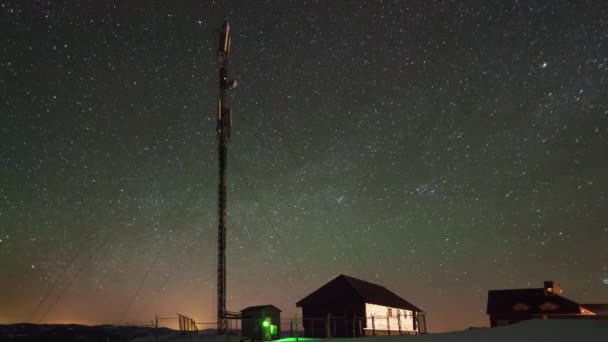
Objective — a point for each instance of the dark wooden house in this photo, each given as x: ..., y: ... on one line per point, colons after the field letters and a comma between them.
x: 261, y: 323
x: 349, y: 307
x: 516, y: 305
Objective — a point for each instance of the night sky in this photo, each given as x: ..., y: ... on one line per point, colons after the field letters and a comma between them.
x: 438, y: 148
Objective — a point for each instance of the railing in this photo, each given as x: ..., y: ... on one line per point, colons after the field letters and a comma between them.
x: 314, y: 327
x: 358, y: 326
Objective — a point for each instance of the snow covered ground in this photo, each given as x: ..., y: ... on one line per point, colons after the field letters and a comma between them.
x: 528, y: 331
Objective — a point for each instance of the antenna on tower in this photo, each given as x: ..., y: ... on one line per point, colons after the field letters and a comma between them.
x: 224, y: 121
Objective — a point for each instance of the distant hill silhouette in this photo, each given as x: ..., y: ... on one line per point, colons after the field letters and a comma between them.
x: 25, y: 332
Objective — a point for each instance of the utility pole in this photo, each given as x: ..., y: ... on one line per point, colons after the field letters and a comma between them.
x: 224, y: 122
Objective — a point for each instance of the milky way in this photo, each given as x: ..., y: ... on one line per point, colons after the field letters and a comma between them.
x: 438, y: 148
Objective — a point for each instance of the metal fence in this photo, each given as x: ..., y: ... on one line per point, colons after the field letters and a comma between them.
x: 358, y: 326
x: 317, y: 327
x: 320, y: 327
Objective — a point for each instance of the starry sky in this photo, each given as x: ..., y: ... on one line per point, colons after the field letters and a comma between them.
x: 438, y: 148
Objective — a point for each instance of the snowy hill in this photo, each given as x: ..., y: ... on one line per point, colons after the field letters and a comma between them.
x: 528, y: 331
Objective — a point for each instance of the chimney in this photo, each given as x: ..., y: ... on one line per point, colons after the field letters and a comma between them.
x: 552, y: 288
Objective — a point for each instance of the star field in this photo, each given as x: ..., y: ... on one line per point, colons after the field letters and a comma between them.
x: 438, y: 148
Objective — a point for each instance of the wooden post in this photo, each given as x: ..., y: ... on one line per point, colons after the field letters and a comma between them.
x: 373, y: 326
x: 388, y: 325
x: 354, y: 318
x: 156, y: 327
x: 312, y: 329
x: 399, y: 320
x: 327, y: 327
x: 335, y: 331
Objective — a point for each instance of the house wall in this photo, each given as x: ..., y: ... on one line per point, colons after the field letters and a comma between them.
x: 382, y: 322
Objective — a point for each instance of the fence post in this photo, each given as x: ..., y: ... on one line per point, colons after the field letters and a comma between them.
x: 312, y: 329
x: 327, y: 327
x: 373, y: 326
x: 335, y: 331
x: 388, y: 325
x: 156, y: 327
x: 354, y: 318
x: 399, y: 321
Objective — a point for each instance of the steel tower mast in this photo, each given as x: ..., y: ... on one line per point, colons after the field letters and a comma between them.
x: 224, y: 122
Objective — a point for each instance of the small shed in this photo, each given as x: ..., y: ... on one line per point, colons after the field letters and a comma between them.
x: 261, y: 322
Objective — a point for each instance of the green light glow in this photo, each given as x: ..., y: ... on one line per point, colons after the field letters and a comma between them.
x: 266, y: 324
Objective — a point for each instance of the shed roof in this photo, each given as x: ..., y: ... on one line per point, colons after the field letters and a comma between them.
x: 364, y: 291
x: 261, y: 308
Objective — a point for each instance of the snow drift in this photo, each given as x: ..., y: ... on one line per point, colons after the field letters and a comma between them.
x: 558, y: 330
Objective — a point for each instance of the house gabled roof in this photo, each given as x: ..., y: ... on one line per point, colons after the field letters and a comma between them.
x: 261, y: 308
x: 344, y: 287
x: 529, y: 301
